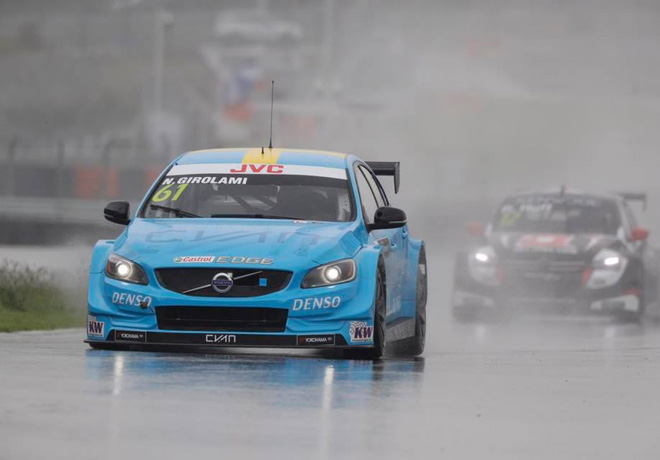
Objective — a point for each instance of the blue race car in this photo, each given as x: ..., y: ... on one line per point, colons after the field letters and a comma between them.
x: 262, y: 248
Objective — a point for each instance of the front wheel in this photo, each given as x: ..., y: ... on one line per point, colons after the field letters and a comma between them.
x: 636, y: 317
x: 414, y: 346
x: 378, y: 349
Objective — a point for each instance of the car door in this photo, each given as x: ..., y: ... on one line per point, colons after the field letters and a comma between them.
x: 372, y: 194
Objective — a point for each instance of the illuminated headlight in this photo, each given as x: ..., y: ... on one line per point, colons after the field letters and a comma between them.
x: 338, y: 272
x: 608, y: 268
x: 483, y: 266
x: 482, y: 257
x: 123, y: 269
x: 612, y: 261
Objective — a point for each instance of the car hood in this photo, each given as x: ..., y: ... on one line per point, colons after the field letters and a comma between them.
x: 555, y: 245
x: 290, y: 244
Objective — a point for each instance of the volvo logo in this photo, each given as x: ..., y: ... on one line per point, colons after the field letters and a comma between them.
x: 222, y: 282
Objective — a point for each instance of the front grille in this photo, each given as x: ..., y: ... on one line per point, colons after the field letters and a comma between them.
x: 213, y: 319
x: 545, y: 265
x: 544, y: 278
x: 246, y: 282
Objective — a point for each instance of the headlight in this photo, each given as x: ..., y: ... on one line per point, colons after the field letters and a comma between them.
x: 608, y: 259
x: 484, y: 267
x: 123, y: 269
x: 608, y: 267
x: 338, y: 272
x: 485, y: 255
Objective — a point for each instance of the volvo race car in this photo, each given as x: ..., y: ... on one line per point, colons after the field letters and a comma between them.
x: 262, y: 248
x: 558, y: 251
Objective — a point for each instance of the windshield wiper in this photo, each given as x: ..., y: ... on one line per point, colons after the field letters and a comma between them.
x: 255, y: 216
x: 177, y: 211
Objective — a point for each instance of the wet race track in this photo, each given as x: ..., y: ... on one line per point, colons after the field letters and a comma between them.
x: 542, y: 388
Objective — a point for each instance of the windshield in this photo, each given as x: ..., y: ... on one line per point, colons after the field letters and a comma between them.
x: 252, y: 191
x: 557, y: 214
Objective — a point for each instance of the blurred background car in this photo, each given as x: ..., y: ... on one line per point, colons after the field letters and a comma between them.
x: 561, y: 251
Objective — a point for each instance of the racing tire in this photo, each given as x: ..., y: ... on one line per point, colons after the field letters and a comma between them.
x: 646, y: 293
x: 414, y: 346
x: 631, y: 317
x: 378, y: 349
x: 634, y: 317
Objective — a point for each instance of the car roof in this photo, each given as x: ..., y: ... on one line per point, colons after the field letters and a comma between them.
x: 254, y: 155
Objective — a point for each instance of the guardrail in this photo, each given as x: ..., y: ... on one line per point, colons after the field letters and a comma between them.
x: 54, y: 174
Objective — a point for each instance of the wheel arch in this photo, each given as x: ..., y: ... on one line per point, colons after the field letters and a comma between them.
x: 367, y: 260
x: 100, y: 253
x: 415, y: 247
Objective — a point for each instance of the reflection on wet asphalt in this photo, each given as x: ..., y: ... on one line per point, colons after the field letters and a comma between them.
x: 542, y: 388
x: 538, y: 389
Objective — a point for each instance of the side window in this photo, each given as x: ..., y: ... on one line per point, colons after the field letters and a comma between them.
x: 369, y: 203
x: 375, y: 186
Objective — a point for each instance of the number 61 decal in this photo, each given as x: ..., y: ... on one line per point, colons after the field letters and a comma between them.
x: 165, y: 193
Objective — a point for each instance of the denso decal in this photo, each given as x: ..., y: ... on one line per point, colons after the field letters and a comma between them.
x: 95, y: 328
x: 361, y: 332
x: 244, y: 260
x: 194, y: 260
x: 134, y: 300
x: 316, y: 303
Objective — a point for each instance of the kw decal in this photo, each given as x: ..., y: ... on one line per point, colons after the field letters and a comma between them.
x: 361, y: 332
x: 95, y: 328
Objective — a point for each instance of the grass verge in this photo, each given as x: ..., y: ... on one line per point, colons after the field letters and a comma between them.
x: 32, y: 299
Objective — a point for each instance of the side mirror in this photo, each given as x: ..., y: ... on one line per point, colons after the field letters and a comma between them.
x: 117, y: 212
x: 387, y: 217
x: 639, y: 234
x: 476, y: 229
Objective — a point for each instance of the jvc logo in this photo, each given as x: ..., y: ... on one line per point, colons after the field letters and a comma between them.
x: 220, y: 338
x: 268, y: 169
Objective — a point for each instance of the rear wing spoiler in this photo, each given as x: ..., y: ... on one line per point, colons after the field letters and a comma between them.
x: 634, y: 196
x: 387, y: 168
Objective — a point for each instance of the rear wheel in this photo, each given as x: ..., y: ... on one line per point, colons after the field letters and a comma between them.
x: 378, y: 348
x: 414, y: 346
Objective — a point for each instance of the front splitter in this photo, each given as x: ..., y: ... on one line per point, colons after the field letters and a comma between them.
x: 223, y: 339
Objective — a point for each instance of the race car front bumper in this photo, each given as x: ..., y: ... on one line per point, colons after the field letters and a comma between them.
x: 545, y: 293
x: 473, y: 303
x: 333, y: 316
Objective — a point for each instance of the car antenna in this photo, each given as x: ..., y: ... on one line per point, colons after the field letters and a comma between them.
x: 272, y: 97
